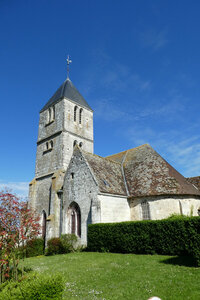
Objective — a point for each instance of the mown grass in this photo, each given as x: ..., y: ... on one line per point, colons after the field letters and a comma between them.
x: 122, y: 276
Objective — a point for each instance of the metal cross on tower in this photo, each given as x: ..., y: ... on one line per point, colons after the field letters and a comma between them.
x: 69, y: 61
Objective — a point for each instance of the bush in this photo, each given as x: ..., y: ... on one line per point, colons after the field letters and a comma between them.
x: 175, y: 236
x: 66, y: 244
x: 34, y: 287
x: 69, y: 242
x: 35, y: 247
x: 54, y: 246
x: 176, y: 216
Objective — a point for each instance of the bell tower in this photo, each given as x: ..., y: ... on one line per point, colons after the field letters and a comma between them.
x: 65, y: 120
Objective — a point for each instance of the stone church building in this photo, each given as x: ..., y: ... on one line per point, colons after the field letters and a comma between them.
x: 74, y: 187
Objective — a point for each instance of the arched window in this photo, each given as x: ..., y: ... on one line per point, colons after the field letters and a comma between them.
x: 80, y: 144
x: 80, y: 115
x: 47, y: 145
x: 75, y: 111
x: 51, y: 144
x: 75, y: 143
x: 145, y: 210
x: 74, y: 214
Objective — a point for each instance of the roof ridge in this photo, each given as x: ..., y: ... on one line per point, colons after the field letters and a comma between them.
x: 104, y: 158
x: 128, y: 150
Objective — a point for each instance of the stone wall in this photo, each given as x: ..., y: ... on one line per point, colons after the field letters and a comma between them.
x: 39, y: 194
x: 162, y: 207
x: 114, y: 208
x: 48, y: 161
x: 79, y: 187
x: 85, y: 129
x: 56, y: 138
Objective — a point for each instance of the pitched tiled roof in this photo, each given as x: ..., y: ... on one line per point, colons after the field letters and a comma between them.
x: 67, y: 90
x: 195, y: 181
x: 147, y: 173
x: 107, y: 173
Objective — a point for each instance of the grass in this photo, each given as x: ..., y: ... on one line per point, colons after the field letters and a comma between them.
x: 122, y: 276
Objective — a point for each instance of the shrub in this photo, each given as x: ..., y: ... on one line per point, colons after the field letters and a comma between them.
x: 54, y: 246
x: 176, y: 216
x: 35, y: 247
x: 34, y: 287
x: 69, y: 242
x: 66, y: 244
x: 19, y: 224
x: 175, y: 236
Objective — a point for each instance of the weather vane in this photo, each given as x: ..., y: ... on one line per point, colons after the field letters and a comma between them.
x: 69, y: 61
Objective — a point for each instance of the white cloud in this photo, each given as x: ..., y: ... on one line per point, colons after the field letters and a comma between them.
x: 18, y: 188
x: 154, y: 39
x: 181, y: 149
x: 112, y: 76
x: 106, y: 111
x: 168, y: 109
x: 120, y: 78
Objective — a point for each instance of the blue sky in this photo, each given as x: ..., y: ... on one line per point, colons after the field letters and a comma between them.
x: 137, y: 63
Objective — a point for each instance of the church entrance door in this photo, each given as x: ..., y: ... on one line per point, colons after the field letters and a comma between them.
x: 74, y: 219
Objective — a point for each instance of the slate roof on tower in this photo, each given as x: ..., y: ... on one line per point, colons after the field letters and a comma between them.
x: 69, y: 91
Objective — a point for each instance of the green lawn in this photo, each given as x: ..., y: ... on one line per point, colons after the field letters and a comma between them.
x: 122, y: 276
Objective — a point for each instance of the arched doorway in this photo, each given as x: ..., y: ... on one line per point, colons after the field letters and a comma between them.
x: 74, y: 214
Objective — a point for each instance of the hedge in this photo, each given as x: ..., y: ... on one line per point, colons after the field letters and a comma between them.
x: 34, y: 287
x: 179, y: 236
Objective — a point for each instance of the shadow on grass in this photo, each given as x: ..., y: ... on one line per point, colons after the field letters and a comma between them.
x: 185, y: 261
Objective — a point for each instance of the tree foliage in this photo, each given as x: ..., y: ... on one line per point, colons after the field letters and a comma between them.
x: 18, y: 224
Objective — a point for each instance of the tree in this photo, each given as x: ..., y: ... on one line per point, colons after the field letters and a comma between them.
x: 18, y: 224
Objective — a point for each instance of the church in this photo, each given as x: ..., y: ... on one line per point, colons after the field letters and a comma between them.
x: 73, y: 187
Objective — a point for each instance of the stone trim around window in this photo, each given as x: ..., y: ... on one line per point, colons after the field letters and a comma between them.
x: 49, y: 147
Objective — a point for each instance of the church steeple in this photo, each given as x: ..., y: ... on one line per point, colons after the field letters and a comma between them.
x: 68, y: 91
x: 65, y: 120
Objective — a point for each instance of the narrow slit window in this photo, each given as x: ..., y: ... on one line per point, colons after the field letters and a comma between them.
x: 75, y: 112
x: 80, y: 115
x: 49, y: 114
x: 75, y: 143
x: 48, y: 117
x: 53, y: 113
